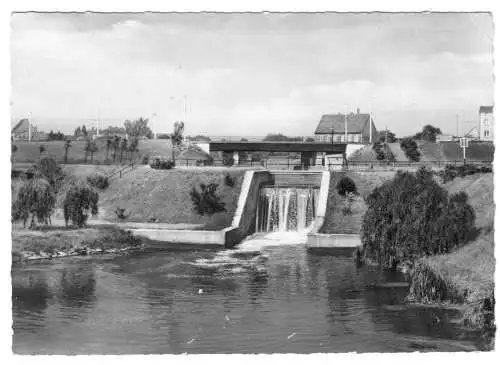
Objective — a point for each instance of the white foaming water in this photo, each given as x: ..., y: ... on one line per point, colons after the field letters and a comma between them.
x: 250, y: 253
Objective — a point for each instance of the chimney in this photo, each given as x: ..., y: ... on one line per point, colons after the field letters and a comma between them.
x: 358, y: 110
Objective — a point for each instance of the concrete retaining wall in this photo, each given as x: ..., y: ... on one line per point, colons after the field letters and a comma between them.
x: 182, y: 236
x: 243, y: 222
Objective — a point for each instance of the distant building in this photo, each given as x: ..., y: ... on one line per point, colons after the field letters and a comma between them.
x: 193, y: 156
x: 486, y: 123
x: 335, y: 125
x: 23, y: 132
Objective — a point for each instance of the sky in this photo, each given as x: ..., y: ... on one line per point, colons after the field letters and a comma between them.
x: 251, y: 74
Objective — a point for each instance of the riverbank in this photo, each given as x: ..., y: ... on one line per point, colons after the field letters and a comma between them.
x: 52, y: 242
x: 467, y: 274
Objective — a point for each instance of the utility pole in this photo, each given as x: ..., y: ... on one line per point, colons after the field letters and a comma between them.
x: 345, y: 125
x: 370, y: 121
x: 155, y: 136
x: 185, y: 109
x: 385, y: 144
x: 29, y: 127
x: 457, y: 126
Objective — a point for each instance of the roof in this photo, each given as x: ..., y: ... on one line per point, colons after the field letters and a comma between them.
x: 21, y: 126
x: 193, y: 153
x: 485, y: 109
x: 355, y: 123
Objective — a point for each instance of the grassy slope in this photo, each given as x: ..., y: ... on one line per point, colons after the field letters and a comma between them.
x: 165, y: 195
x: 29, y: 152
x: 335, y: 220
x: 451, y: 151
x: 471, y: 268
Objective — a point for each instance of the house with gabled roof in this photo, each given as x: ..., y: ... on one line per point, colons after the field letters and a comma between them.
x: 22, y: 131
x: 346, y: 128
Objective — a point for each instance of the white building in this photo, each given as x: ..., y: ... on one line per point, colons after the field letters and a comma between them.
x: 486, y: 123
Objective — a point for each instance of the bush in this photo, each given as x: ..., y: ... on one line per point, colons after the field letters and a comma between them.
x: 162, y: 164
x: 80, y: 199
x: 145, y: 159
x: 37, y: 199
x: 451, y: 172
x: 410, y: 147
x: 206, y: 201
x: 98, y: 181
x: 229, y: 181
x: 346, y: 185
x: 412, y: 216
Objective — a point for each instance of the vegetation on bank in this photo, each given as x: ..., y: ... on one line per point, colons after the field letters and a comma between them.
x: 52, y: 242
x: 411, y: 216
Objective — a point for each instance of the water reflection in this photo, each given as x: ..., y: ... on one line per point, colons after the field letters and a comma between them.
x: 30, y: 292
x: 78, y: 285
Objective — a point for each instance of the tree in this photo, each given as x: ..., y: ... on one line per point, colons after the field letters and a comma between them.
x: 428, y: 133
x: 281, y: 138
x: 391, y: 137
x: 177, y: 137
x: 109, y: 144
x: 78, y: 131
x: 67, y: 146
x: 116, y: 145
x: 13, y: 150
x: 309, y: 139
x: 123, y: 148
x: 48, y: 169
x: 42, y: 149
x: 410, y: 147
x: 138, y: 128
x: 36, y: 199
x: 133, y: 147
x: 92, y: 149
x: 84, y: 131
x: 80, y: 200
x: 412, y: 216
x: 87, y: 149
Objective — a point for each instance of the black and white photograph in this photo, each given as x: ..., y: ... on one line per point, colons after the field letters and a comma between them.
x: 251, y: 182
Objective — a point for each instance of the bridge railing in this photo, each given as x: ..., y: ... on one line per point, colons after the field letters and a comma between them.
x: 295, y: 164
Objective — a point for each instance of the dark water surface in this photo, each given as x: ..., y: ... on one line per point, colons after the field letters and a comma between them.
x: 279, y: 298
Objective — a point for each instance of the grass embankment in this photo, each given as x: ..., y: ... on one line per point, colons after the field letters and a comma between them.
x: 451, y: 151
x: 30, y: 151
x: 60, y: 242
x: 163, y: 196
x: 467, y: 274
x: 335, y: 220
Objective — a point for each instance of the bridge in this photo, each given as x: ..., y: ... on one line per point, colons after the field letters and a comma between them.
x: 309, y: 151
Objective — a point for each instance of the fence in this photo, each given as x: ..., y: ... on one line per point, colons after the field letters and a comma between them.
x: 295, y: 164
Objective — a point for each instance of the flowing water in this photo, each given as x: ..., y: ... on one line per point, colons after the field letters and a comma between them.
x: 286, y: 209
x: 269, y: 295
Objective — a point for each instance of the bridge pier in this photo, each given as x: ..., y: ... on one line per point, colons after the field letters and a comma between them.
x: 236, y: 157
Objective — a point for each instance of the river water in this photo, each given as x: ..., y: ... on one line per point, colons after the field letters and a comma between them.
x: 270, y: 295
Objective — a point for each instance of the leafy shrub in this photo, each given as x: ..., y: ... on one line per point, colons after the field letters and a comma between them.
x: 451, y: 172
x: 145, y: 159
x: 98, y: 181
x: 382, y: 152
x: 412, y: 216
x: 206, y: 201
x: 346, y: 185
x: 410, y: 149
x: 162, y: 164
x: 80, y: 199
x: 229, y: 181
x: 37, y: 199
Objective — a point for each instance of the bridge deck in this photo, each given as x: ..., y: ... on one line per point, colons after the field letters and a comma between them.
x: 336, y: 148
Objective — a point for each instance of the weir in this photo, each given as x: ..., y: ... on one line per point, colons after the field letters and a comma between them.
x: 285, y: 209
